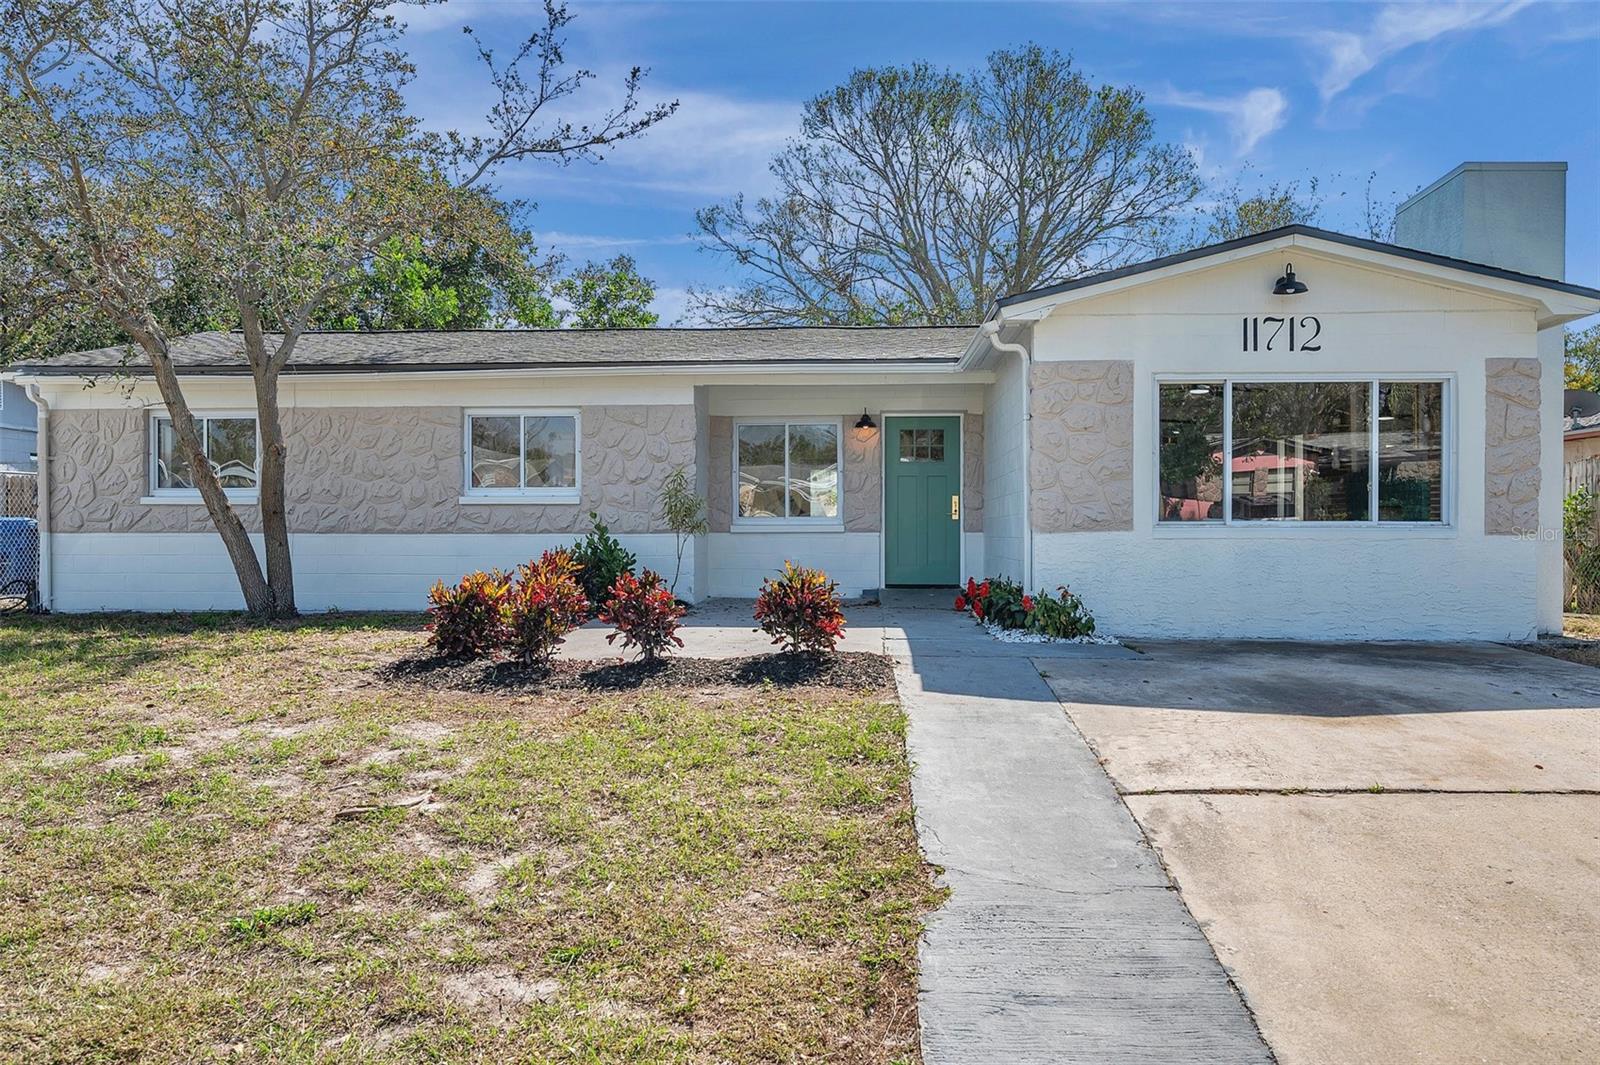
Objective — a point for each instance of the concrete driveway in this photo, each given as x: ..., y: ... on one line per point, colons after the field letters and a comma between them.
x: 1394, y: 849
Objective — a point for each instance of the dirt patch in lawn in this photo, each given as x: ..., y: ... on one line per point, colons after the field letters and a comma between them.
x: 853, y: 671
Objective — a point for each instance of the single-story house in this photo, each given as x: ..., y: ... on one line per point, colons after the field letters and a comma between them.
x: 1295, y: 434
x: 1580, y: 425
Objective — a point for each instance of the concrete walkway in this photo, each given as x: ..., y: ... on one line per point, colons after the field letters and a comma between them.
x: 1063, y: 940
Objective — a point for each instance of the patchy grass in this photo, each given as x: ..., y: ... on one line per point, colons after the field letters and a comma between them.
x: 227, y: 842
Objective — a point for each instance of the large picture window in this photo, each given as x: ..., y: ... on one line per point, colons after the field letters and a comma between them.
x: 230, y: 445
x: 787, y: 471
x: 1234, y: 452
x: 522, y: 455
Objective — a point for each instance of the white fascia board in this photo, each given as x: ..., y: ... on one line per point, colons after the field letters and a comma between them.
x: 1553, y: 307
x: 729, y: 374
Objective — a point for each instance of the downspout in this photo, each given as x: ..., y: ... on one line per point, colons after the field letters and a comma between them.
x: 991, y: 331
x: 42, y: 482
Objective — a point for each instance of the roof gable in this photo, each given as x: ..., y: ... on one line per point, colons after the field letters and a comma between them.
x: 1559, y: 300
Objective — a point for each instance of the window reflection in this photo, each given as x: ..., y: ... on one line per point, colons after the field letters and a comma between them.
x: 1301, y: 451
x: 761, y: 471
x: 1411, y: 451
x: 1190, y: 461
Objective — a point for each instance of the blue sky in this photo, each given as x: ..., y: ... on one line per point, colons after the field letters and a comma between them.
x: 1291, y: 89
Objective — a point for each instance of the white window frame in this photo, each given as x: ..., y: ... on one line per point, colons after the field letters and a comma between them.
x: 157, y: 494
x: 1447, y: 494
x: 744, y: 524
x: 470, y: 494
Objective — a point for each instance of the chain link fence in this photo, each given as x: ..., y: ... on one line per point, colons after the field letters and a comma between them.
x: 1580, y: 536
x: 19, y: 541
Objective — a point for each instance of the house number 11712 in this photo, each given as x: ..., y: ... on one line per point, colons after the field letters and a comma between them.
x: 1261, y: 333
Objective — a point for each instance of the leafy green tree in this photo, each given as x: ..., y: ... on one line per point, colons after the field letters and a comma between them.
x: 267, y: 144
x: 1582, y: 348
x: 916, y: 194
x: 1235, y: 214
x: 409, y: 285
x: 609, y: 295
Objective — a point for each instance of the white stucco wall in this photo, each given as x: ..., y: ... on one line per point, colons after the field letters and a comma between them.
x: 347, y: 571
x: 379, y: 569
x: 1287, y: 580
x: 1003, y: 503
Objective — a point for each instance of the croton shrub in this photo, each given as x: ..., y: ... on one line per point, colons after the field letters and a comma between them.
x: 545, y: 604
x: 1001, y: 602
x: 799, y: 609
x: 468, y: 619
x: 644, y: 612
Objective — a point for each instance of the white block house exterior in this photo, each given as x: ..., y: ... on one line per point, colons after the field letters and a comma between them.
x: 1195, y: 447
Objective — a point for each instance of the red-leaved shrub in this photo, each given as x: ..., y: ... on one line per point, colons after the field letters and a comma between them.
x: 644, y: 613
x: 799, y: 609
x: 545, y: 604
x: 469, y: 619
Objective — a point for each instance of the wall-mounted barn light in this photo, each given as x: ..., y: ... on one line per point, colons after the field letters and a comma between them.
x: 1287, y: 285
x: 866, y: 422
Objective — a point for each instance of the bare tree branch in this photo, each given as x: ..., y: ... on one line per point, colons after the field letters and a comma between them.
x: 918, y: 195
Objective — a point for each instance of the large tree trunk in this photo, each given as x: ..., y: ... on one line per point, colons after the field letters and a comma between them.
x: 258, y: 596
x: 272, y: 494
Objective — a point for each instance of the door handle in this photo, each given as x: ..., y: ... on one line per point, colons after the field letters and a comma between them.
x: 955, y: 508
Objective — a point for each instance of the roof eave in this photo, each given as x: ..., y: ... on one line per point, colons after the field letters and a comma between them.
x: 1559, y: 300
x: 847, y: 366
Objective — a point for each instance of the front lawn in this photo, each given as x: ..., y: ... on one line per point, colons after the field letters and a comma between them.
x: 223, y: 842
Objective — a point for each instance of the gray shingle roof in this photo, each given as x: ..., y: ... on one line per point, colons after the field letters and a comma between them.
x: 221, y: 352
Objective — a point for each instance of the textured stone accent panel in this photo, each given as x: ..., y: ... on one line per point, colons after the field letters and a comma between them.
x: 375, y: 470
x: 1081, y: 436
x: 719, y: 467
x: 98, y: 472
x: 1511, y: 447
x: 863, y: 477
x: 972, y: 474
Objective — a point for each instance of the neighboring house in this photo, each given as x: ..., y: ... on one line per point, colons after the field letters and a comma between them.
x: 1580, y: 425
x: 1390, y: 434
x: 19, y: 432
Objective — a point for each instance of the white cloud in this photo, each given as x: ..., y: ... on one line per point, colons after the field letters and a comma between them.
x: 672, y: 304
x: 1251, y: 116
x: 1348, y: 56
x: 713, y: 146
x: 557, y: 240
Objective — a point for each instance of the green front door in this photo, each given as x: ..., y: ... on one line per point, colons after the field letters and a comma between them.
x: 922, y: 501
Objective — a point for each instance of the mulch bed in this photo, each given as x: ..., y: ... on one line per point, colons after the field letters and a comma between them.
x: 853, y: 670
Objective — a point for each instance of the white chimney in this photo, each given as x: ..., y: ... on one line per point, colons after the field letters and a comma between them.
x: 1510, y: 215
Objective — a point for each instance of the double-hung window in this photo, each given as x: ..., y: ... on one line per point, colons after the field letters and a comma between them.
x: 230, y: 444
x: 1234, y: 452
x: 787, y: 471
x: 522, y: 455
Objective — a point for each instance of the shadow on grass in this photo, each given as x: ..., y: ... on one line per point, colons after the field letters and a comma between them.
x: 109, y: 646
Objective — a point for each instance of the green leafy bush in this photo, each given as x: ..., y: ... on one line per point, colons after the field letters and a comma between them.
x: 600, y: 560
x: 644, y: 613
x: 1003, y: 603
x: 545, y: 604
x: 1063, y: 616
x: 468, y: 620
x: 799, y: 609
x: 1577, y: 516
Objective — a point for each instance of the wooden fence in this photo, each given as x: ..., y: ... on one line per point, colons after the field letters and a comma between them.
x: 19, y: 495
x: 1583, y: 473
